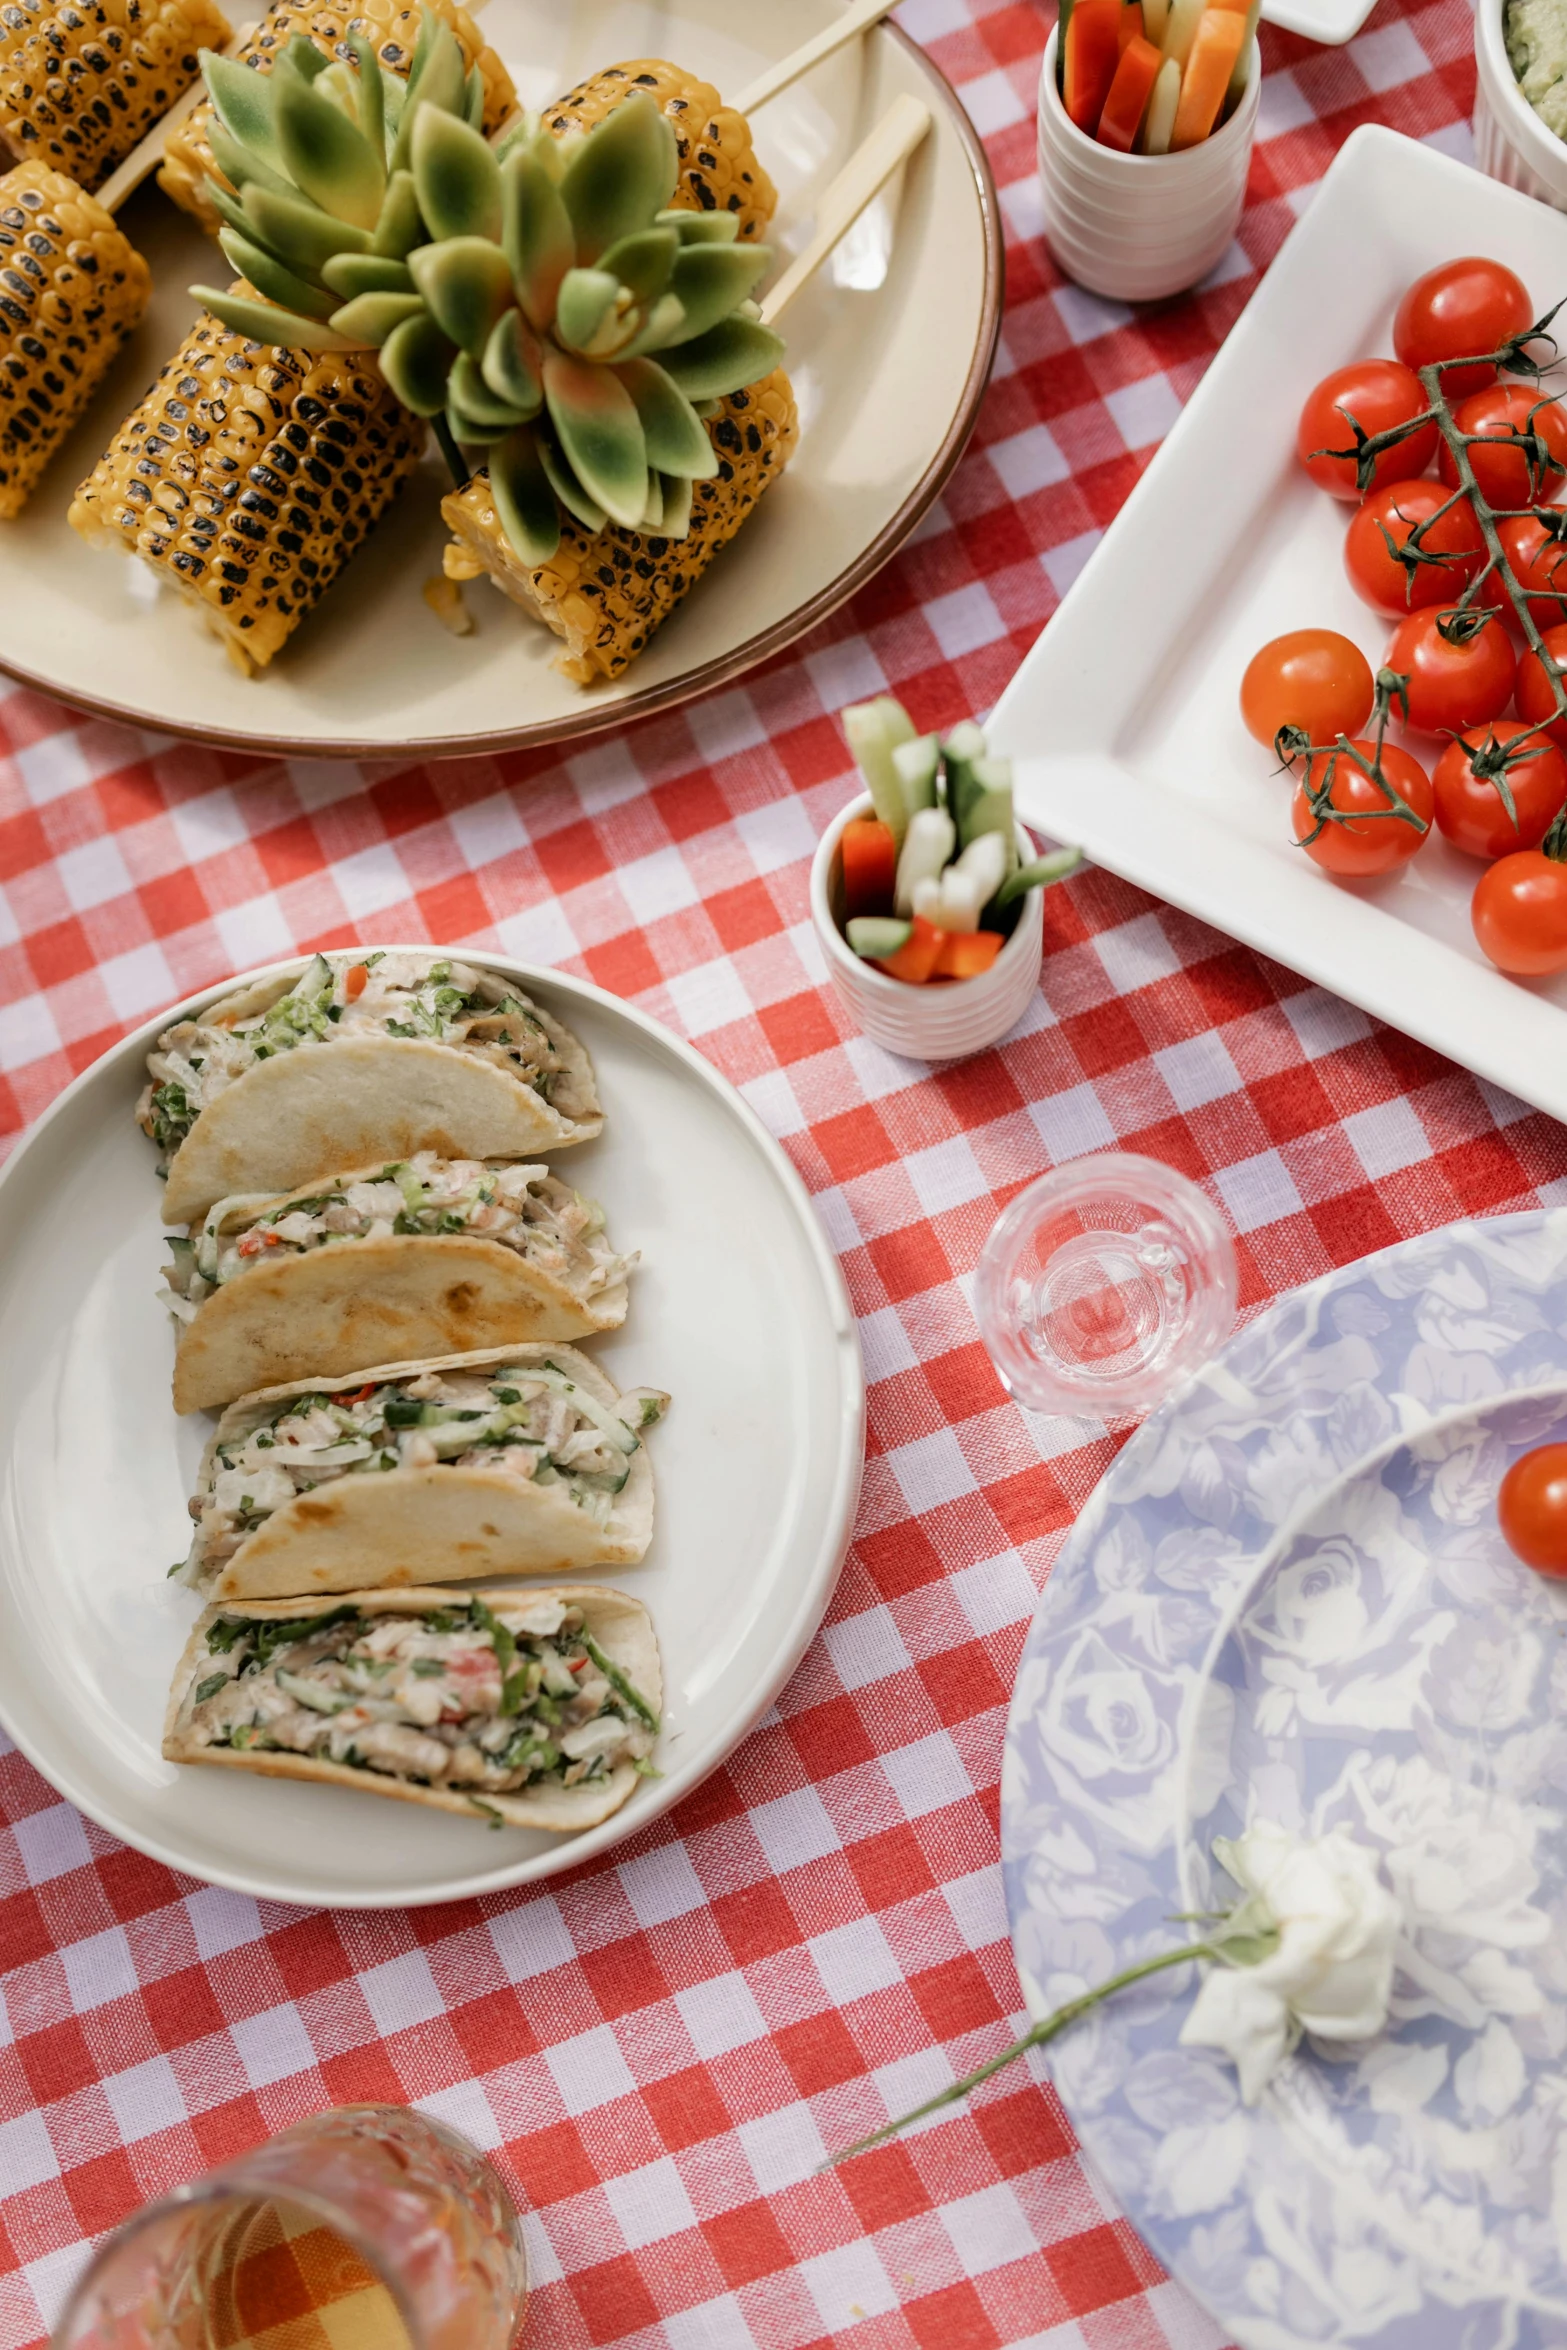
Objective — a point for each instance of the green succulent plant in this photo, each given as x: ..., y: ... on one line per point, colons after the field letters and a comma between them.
x: 539, y: 299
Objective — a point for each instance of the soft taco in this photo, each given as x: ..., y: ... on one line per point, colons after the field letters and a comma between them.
x: 389, y: 1264
x: 532, y: 1709
x: 519, y: 1461
x: 358, y: 1058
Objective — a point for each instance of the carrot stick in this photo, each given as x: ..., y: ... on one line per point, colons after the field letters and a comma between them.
x: 1159, y: 121
x: 1127, y: 103
x: 1237, y: 88
x: 1207, y: 76
x: 1092, y: 52
x: 1130, y: 28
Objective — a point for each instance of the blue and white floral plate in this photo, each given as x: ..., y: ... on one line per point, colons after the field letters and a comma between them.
x: 1289, y: 1598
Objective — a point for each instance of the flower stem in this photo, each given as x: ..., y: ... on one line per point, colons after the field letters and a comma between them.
x: 1049, y: 2029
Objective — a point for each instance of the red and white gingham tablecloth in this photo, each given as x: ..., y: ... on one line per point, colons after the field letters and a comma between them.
x: 661, y: 2048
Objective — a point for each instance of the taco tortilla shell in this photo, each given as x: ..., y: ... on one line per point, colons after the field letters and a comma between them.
x: 292, y: 1119
x: 418, y: 1526
x: 397, y: 1298
x: 621, y: 1626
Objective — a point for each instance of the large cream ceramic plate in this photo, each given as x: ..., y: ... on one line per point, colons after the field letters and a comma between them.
x: 738, y: 1309
x: 889, y: 357
x: 1125, y: 717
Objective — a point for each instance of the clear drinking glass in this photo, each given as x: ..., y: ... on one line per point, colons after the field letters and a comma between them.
x: 366, y: 2228
x: 1103, y: 1285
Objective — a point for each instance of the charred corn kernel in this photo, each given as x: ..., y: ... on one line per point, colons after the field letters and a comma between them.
x: 82, y: 80
x: 71, y: 290
x: 605, y: 592
x: 247, y: 477
x: 718, y: 167
x: 393, y: 25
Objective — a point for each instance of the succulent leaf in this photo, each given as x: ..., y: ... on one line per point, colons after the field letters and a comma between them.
x: 274, y: 329
x: 536, y: 233
x: 701, y: 228
x: 678, y: 493
x: 711, y: 280
x: 371, y: 93
x: 661, y: 325
x: 738, y: 352
x: 457, y: 177
x: 327, y: 156
x: 230, y: 208
x: 297, y: 232
x: 653, y: 506
x: 590, y: 299
x: 469, y: 433
x: 676, y: 442
x: 442, y: 88
x: 270, y: 277
x: 513, y: 364
x: 242, y: 99
x: 473, y: 104
x: 300, y: 56
x: 567, y: 488
x: 623, y: 173
x: 643, y: 262
x: 600, y: 433
x: 524, y: 498
x: 416, y: 359
x: 370, y: 318
x: 467, y: 391
x: 241, y: 165
x: 352, y: 274
x: 400, y: 226
x: 467, y: 286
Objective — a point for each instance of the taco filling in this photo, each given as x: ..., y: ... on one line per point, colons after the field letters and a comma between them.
x: 401, y: 994
x: 532, y: 1422
x: 523, y: 1208
x: 467, y: 1696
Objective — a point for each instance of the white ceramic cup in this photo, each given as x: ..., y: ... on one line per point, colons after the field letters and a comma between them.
x: 1512, y: 144
x: 943, y: 1022
x: 1139, y: 227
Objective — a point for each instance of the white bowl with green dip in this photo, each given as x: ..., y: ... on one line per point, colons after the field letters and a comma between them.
x: 1520, y: 116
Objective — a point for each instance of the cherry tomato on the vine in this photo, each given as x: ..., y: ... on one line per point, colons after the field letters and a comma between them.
x: 1464, y: 306
x: 1519, y: 914
x: 1531, y: 1509
x: 1535, y: 700
x: 1537, y: 560
x: 1376, y: 394
x: 1460, y: 668
x: 1454, y: 546
x: 1370, y: 835
x: 1508, y: 470
x: 1470, y: 809
x: 1312, y: 680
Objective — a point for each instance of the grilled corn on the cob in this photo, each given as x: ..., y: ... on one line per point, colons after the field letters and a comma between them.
x: 393, y: 25
x: 82, y: 80
x: 71, y: 290
x: 605, y: 592
x: 719, y: 171
x: 248, y: 476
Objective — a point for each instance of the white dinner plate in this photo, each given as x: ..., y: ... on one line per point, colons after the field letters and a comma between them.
x: 889, y: 350
x: 1290, y: 1599
x: 1125, y: 716
x: 738, y: 1308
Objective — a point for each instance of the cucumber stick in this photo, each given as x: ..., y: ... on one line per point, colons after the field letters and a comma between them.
x: 917, y: 762
x: 1035, y: 876
x: 875, y: 936
x: 872, y: 744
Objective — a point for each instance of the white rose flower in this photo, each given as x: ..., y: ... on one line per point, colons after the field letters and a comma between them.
x: 1329, y: 1970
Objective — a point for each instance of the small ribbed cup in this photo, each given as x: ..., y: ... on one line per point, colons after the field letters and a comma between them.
x: 1139, y: 227
x: 1512, y: 144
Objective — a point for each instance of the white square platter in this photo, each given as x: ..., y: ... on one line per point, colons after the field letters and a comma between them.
x: 1124, y: 718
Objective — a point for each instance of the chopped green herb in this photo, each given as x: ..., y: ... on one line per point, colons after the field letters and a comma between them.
x: 495, y: 1818
x: 429, y: 1668
x: 210, y: 1687
x: 621, y: 1681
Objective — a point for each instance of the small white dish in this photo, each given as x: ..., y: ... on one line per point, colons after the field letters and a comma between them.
x: 945, y: 1022
x: 1124, y: 721
x: 738, y: 1308
x: 1512, y: 144
x: 1332, y: 22
x: 1137, y: 228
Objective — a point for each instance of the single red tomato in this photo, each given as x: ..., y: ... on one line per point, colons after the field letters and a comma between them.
x: 1537, y: 560
x: 1370, y: 835
x: 1535, y: 700
x: 1519, y: 912
x: 1470, y: 809
x: 1460, y: 668
x: 1312, y: 681
x: 1454, y: 547
x: 1507, y: 468
x: 1462, y: 307
x: 1378, y: 395
x: 1531, y: 1509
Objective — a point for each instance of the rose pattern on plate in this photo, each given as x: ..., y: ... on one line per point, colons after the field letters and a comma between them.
x: 1289, y: 1597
